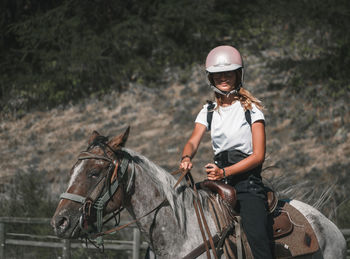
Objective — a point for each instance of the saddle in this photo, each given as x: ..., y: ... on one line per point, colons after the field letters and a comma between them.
x: 228, y: 193
x: 292, y: 233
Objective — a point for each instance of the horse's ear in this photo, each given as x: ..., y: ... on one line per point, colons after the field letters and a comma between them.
x: 94, y: 135
x: 119, y: 141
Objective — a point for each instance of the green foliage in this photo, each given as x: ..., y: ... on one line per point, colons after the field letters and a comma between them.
x: 56, y: 52
x: 27, y: 196
x: 316, y: 45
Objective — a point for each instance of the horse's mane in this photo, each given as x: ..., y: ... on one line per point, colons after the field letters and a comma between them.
x: 305, y: 191
x: 180, y: 198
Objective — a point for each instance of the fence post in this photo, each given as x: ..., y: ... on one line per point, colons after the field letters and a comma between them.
x: 2, y: 240
x: 66, y: 249
x: 136, y: 244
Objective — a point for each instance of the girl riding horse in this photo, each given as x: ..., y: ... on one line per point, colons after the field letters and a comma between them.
x: 237, y: 127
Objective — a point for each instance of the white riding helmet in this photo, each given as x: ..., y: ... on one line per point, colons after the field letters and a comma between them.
x: 222, y: 59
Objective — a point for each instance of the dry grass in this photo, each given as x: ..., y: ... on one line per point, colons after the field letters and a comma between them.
x: 302, y: 140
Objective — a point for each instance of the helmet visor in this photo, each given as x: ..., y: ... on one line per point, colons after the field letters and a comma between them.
x: 223, y: 68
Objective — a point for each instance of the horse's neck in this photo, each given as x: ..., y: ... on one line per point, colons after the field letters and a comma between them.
x: 145, y: 198
x: 165, y: 232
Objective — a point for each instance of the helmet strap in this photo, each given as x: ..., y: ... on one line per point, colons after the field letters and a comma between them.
x: 226, y: 93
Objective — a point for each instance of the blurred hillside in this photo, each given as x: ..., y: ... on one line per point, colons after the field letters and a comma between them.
x: 71, y: 67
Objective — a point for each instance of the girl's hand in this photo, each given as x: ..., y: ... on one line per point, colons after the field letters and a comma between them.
x: 186, y: 164
x: 214, y: 172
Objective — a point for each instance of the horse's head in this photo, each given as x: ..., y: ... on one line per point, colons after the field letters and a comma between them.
x: 94, y: 186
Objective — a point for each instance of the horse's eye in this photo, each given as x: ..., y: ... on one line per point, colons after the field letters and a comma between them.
x: 94, y: 174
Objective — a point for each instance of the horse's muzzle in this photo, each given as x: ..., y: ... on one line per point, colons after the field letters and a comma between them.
x: 60, y: 225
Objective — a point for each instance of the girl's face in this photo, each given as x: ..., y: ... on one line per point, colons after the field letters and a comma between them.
x: 225, y: 81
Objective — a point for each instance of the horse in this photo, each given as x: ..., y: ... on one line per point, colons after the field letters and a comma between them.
x: 164, y: 215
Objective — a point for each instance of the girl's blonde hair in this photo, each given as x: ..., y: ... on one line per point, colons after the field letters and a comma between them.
x: 244, y: 96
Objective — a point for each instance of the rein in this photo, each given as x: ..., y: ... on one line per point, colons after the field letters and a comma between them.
x: 199, y: 213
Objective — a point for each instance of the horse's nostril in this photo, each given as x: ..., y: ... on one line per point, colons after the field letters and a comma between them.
x: 61, y: 224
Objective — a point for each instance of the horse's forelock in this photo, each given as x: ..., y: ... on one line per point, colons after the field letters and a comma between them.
x: 100, y: 141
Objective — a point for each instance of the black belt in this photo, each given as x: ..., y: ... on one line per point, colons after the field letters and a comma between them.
x: 227, y: 158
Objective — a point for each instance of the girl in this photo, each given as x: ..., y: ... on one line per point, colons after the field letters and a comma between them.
x: 237, y: 127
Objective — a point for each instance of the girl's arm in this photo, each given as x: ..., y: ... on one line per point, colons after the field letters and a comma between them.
x: 191, y: 146
x: 249, y: 163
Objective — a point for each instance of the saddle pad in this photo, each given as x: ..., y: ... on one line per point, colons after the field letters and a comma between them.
x: 296, y: 236
x: 302, y: 239
x: 282, y: 226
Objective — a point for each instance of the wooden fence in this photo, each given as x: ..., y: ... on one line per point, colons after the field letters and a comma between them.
x: 51, y: 241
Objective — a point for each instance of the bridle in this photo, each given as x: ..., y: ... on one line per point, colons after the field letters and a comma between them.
x: 119, y: 170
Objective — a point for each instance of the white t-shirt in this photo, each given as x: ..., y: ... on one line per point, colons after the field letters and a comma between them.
x: 229, y: 127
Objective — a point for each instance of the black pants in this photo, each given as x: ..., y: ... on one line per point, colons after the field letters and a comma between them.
x: 252, y: 204
x: 256, y: 225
